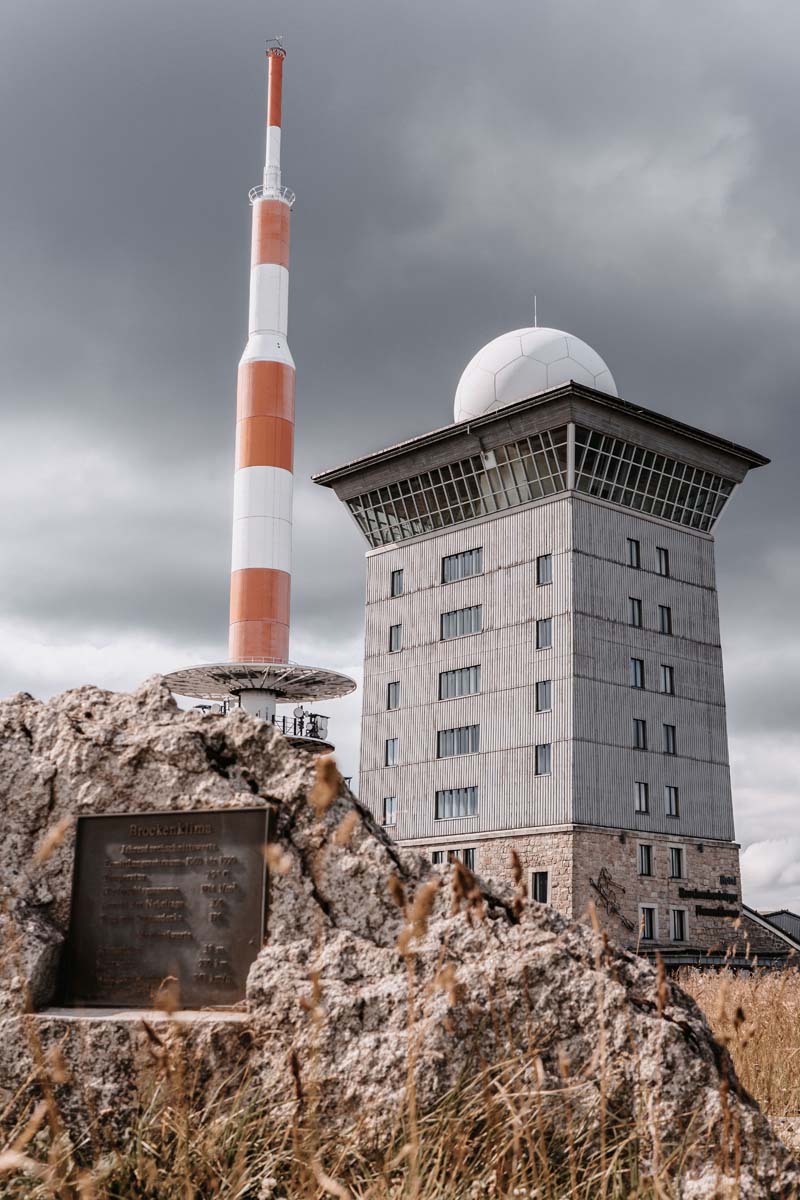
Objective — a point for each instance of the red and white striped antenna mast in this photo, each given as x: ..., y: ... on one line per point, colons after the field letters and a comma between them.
x: 258, y: 674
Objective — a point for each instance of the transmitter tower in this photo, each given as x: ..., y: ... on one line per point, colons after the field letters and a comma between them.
x: 258, y: 674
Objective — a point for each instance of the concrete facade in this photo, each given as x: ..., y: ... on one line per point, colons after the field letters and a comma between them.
x: 633, y: 636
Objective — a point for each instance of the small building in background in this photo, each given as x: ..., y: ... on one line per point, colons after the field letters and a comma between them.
x: 542, y: 666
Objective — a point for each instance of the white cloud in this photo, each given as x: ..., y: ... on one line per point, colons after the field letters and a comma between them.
x: 771, y: 874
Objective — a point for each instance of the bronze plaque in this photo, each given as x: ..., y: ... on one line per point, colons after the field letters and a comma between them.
x: 160, y: 894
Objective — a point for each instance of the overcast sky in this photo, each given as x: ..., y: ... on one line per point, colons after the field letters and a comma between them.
x: 633, y: 162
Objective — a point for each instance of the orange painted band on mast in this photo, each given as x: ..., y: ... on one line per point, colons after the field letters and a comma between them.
x: 265, y: 442
x: 275, y: 86
x: 265, y: 389
x: 270, y: 233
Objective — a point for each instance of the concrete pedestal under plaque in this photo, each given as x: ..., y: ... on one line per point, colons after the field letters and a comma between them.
x: 179, y: 894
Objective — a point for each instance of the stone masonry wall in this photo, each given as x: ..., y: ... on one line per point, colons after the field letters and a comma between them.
x: 704, y: 864
x: 551, y: 852
x: 575, y: 857
x: 537, y: 852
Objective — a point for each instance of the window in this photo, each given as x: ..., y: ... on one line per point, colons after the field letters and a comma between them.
x: 390, y: 810
x: 675, y: 862
x: 456, y: 802
x: 543, y: 758
x: 463, y: 565
x: 392, y: 752
x: 544, y: 633
x: 634, y: 554
x: 678, y: 924
x: 645, y: 859
x: 647, y: 923
x: 667, y: 679
x: 465, y: 856
x: 544, y: 569
x: 671, y: 806
x: 641, y: 797
x: 662, y: 560
x: 649, y: 482
x: 634, y: 611
x: 395, y: 638
x: 665, y: 618
x: 637, y: 673
x: 639, y: 734
x: 669, y: 739
x: 393, y: 694
x: 477, y: 485
x: 543, y: 695
x: 462, y: 740
x: 397, y: 583
x: 461, y: 621
x: 540, y: 886
x: 464, y: 681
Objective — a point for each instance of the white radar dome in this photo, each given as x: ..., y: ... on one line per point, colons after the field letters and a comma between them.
x: 521, y: 363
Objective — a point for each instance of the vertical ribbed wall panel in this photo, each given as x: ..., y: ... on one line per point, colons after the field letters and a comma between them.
x: 606, y: 764
x: 510, y: 794
x: 590, y: 725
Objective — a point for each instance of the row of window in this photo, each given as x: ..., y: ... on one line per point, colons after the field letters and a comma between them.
x: 646, y: 860
x: 463, y: 802
x: 465, y: 739
x: 641, y: 798
x: 467, y: 563
x: 465, y: 856
x: 534, y: 467
x: 454, y: 567
x: 667, y: 677
x: 635, y: 615
x: 465, y: 681
x: 670, y: 741
x: 648, y: 923
x: 635, y: 557
x: 543, y: 701
x: 463, y: 621
x: 539, y: 889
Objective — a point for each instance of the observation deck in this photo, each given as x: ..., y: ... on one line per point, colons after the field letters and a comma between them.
x: 244, y: 684
x: 261, y: 192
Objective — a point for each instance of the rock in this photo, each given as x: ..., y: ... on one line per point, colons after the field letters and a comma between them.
x: 378, y: 969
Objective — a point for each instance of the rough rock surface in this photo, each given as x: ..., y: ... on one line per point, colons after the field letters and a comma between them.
x: 372, y: 955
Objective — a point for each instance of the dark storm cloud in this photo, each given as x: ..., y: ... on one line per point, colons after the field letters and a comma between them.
x: 634, y: 165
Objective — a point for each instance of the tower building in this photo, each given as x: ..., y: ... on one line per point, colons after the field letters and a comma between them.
x: 258, y: 674
x: 542, y: 664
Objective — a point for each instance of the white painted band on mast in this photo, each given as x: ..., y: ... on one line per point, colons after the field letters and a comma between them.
x: 272, y: 161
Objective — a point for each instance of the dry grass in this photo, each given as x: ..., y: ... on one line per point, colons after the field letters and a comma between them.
x: 508, y: 1133
x: 757, y: 1017
x: 497, y: 1138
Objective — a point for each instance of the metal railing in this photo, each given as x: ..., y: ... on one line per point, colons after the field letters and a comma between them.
x: 309, y: 725
x: 263, y: 193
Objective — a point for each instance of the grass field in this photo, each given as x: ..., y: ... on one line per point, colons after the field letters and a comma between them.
x: 495, y: 1138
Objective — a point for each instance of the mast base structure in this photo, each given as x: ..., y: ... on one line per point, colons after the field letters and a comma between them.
x: 257, y: 687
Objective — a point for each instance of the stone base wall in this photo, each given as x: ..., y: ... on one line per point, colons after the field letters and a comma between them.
x: 705, y: 865
x: 551, y: 852
x: 597, y: 866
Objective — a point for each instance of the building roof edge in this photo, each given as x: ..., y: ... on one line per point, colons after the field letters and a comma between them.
x: 752, y: 457
x: 756, y: 916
